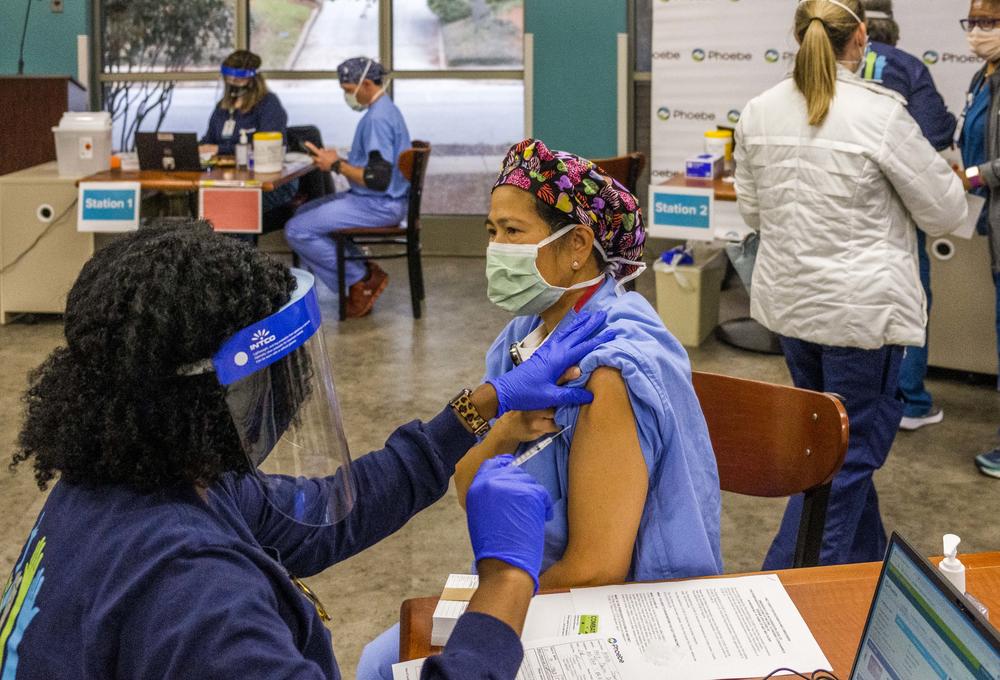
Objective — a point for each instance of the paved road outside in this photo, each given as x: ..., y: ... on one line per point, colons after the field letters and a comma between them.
x: 348, y: 28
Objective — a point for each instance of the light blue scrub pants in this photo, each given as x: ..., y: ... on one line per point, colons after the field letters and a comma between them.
x: 378, y: 656
x: 308, y: 232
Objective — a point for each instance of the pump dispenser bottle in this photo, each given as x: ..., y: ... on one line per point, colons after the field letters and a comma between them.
x: 243, y: 151
x: 950, y: 566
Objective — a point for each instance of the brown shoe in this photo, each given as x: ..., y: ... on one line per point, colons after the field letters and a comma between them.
x: 376, y: 280
x: 359, y: 300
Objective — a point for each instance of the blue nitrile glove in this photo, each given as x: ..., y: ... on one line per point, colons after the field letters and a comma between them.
x: 532, y: 386
x: 507, y: 510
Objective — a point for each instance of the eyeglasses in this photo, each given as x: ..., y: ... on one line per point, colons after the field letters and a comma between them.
x: 986, y: 24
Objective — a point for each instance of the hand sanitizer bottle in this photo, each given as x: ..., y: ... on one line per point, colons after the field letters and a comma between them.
x: 243, y: 151
x: 950, y: 566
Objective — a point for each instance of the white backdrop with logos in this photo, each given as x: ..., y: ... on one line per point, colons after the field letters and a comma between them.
x: 710, y: 57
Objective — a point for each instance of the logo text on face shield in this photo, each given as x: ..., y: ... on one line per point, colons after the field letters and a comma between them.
x: 261, y: 338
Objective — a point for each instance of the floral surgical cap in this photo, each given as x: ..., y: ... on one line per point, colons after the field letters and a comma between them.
x: 584, y: 192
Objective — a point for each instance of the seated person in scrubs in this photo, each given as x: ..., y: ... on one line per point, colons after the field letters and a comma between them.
x: 378, y: 194
x: 632, y: 475
x: 246, y: 105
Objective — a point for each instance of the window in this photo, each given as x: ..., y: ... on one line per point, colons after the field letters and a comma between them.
x: 458, y: 34
x: 151, y: 36
x: 471, y: 124
x: 457, y: 72
x: 313, y: 35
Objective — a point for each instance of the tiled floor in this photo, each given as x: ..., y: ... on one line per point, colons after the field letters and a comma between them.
x: 389, y: 363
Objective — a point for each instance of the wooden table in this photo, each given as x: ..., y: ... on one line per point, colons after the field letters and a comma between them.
x: 834, y: 602
x: 724, y: 191
x: 160, y: 180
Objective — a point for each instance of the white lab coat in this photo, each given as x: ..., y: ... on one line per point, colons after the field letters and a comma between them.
x: 836, y: 207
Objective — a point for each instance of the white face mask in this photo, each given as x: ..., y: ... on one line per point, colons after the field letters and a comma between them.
x: 514, y: 282
x: 985, y: 44
x: 352, y: 97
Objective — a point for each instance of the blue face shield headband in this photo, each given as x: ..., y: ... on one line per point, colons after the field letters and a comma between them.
x: 233, y: 72
x: 278, y: 385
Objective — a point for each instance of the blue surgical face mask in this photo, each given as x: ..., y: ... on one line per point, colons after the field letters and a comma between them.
x: 514, y: 282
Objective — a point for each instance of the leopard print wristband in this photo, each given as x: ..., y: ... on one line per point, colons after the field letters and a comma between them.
x: 469, y: 414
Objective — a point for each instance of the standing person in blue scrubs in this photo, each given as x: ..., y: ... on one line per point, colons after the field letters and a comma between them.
x: 378, y: 194
x: 171, y: 545
x: 246, y: 106
x: 836, y: 274
x: 980, y: 145
x: 909, y: 76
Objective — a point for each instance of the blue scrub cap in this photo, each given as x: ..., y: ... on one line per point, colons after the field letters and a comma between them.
x: 350, y: 71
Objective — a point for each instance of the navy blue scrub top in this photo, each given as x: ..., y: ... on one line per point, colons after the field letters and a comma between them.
x: 114, y: 583
x: 268, y: 116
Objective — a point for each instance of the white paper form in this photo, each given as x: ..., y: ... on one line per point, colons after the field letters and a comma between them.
x: 968, y: 230
x: 554, y: 616
x: 710, y: 628
x: 578, y: 657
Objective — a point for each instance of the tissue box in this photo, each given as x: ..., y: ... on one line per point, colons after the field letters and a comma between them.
x: 704, y: 166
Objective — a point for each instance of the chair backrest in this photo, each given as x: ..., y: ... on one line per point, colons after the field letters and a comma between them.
x: 771, y: 440
x: 413, y: 165
x: 315, y: 184
x: 626, y: 169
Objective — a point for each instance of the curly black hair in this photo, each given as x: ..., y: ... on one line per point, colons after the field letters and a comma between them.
x: 110, y: 407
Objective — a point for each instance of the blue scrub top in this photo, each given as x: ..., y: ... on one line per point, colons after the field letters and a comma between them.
x: 973, y: 140
x: 679, y: 531
x: 381, y: 129
x: 268, y: 116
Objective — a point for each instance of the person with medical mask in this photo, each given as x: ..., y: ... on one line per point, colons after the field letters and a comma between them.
x: 908, y: 75
x: 979, y: 143
x: 836, y: 177
x: 378, y: 192
x: 191, y: 431
x: 633, y: 475
x: 247, y: 106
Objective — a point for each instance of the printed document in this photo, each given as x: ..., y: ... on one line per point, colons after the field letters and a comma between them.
x: 707, y: 629
x: 578, y: 657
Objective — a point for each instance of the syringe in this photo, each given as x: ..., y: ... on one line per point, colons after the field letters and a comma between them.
x: 537, y: 448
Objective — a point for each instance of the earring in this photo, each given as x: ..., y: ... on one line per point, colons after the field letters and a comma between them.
x: 576, y: 265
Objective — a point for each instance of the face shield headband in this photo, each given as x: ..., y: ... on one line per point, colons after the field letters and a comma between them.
x: 233, y: 72
x: 278, y: 384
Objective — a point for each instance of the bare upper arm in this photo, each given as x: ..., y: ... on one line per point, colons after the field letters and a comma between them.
x: 608, y: 481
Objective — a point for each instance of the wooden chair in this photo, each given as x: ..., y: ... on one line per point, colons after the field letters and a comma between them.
x: 626, y: 169
x: 413, y: 165
x: 772, y: 441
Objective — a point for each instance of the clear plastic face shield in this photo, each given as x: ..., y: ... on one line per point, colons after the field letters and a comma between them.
x: 279, y: 389
x: 237, y: 80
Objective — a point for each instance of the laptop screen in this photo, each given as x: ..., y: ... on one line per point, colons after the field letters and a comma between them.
x: 917, y: 629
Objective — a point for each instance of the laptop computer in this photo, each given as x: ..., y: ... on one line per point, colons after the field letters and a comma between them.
x: 168, y: 151
x: 920, y: 627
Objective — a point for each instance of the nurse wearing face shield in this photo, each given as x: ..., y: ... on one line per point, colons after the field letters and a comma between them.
x: 193, y: 423
x: 247, y: 106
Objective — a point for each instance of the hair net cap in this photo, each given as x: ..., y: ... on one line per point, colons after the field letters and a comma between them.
x: 350, y: 71
x: 584, y: 192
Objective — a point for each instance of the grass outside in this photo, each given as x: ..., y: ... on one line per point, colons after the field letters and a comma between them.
x: 495, y: 41
x: 276, y: 26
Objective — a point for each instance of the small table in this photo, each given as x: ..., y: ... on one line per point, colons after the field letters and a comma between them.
x: 161, y: 180
x: 834, y: 601
x: 724, y: 191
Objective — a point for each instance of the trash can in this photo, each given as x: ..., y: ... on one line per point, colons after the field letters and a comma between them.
x: 83, y: 143
x: 687, y: 296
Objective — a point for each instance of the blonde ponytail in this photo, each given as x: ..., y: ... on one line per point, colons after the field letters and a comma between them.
x: 823, y: 29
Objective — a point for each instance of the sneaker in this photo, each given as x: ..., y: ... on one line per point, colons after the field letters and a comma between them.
x: 932, y: 417
x: 989, y: 463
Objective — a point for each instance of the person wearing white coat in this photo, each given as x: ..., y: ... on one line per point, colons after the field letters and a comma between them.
x: 836, y: 176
